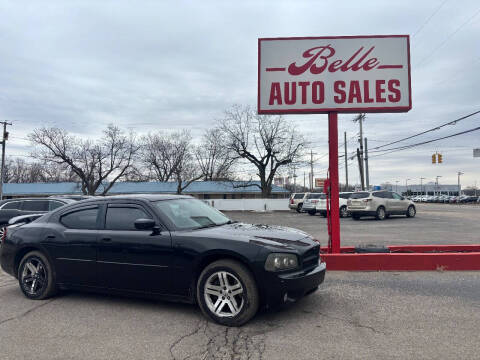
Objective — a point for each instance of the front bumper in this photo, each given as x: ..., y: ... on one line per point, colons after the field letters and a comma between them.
x: 281, y: 289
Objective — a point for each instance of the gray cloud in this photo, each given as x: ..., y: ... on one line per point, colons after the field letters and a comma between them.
x: 164, y: 65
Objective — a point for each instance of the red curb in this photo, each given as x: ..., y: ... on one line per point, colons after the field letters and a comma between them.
x: 407, y: 258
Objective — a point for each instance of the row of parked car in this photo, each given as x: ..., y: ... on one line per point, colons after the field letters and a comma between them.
x: 446, y: 199
x: 380, y: 204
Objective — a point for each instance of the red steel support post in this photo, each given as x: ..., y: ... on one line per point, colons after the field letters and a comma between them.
x: 333, y: 168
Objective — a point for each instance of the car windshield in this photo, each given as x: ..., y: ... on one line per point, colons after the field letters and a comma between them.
x: 359, y: 195
x: 191, y: 213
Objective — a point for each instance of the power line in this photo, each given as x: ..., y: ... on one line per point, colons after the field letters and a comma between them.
x: 449, y: 36
x: 399, y: 148
x: 453, y: 122
x: 429, y: 18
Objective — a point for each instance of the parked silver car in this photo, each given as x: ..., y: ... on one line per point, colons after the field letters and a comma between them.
x: 380, y: 204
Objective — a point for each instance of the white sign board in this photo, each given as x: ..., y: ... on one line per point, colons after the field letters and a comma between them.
x: 325, y: 74
x: 476, y: 152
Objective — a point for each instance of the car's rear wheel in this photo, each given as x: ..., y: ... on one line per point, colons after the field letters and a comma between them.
x: 343, y: 211
x: 227, y: 293
x: 355, y: 217
x: 35, y: 276
x: 311, y: 212
x: 380, y: 213
x: 411, y: 211
x: 299, y: 207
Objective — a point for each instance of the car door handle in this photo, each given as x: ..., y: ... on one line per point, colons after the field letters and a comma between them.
x: 106, y: 239
x: 51, y: 237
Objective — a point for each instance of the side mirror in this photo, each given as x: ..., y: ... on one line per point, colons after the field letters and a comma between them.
x: 144, y: 224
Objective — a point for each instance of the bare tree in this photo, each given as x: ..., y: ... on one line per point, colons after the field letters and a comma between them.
x: 214, y: 157
x: 20, y: 171
x: 170, y: 157
x: 268, y: 142
x: 99, y: 163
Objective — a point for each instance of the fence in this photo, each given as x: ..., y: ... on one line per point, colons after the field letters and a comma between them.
x: 249, y: 204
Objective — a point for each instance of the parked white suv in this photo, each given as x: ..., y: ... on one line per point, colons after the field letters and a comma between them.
x: 296, y: 201
x: 321, y: 206
x: 311, y: 202
x: 380, y: 204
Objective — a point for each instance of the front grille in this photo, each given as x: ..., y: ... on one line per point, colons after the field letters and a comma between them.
x: 310, y: 258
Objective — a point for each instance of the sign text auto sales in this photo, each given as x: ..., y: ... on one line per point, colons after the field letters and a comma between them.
x: 315, y: 75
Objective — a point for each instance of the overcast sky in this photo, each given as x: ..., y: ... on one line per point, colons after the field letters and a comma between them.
x: 152, y: 65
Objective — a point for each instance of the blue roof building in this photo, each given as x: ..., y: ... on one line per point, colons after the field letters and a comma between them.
x: 199, y: 189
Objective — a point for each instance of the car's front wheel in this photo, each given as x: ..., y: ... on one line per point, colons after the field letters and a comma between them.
x: 411, y: 211
x: 299, y: 208
x: 227, y: 293
x: 35, y: 276
x: 311, y: 212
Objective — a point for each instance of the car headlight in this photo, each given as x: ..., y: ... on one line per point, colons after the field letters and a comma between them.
x: 278, y: 262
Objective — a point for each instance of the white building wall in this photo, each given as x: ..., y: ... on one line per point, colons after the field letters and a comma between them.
x: 249, y: 204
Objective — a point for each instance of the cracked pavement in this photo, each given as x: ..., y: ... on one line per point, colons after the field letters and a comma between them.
x: 427, y: 315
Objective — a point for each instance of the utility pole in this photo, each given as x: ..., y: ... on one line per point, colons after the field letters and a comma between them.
x: 4, y: 139
x: 360, y: 118
x: 396, y: 186
x: 406, y: 186
x: 459, y: 186
x: 436, y: 183
x: 311, y: 170
x: 360, y: 168
x: 304, y: 181
x: 367, y: 180
x: 346, y: 161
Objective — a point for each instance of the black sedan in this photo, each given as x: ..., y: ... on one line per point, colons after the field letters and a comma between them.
x: 172, y: 247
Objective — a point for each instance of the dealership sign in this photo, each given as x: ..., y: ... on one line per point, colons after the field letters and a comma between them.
x: 334, y: 74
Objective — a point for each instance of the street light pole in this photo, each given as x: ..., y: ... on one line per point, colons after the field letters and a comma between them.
x: 421, y: 185
x: 406, y: 186
x: 459, y: 186
x: 436, y: 182
x: 396, y: 186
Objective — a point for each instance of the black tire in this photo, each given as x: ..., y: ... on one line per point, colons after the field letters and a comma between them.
x: 355, y: 217
x: 343, y: 212
x: 299, y: 207
x: 411, y: 211
x: 312, y: 212
x: 250, y: 297
x: 381, y: 213
x: 44, y: 276
x: 324, y: 214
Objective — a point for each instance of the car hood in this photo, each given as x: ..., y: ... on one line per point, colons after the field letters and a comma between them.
x: 272, y: 236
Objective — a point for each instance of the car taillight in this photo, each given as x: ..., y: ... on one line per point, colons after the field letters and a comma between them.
x: 367, y: 200
x: 291, y: 201
x: 314, y: 201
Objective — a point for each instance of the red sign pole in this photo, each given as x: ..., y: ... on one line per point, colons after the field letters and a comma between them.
x: 333, y: 169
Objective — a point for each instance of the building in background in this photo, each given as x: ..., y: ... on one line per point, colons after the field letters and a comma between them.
x: 199, y: 189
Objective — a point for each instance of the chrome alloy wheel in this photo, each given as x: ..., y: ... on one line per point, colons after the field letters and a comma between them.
x: 34, y: 276
x: 224, y: 294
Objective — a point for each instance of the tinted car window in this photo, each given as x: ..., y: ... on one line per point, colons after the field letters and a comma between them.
x: 13, y: 205
x: 345, y: 196
x: 35, y: 205
x: 123, y: 218
x: 299, y: 196
x: 359, y: 195
x: 81, y: 219
x: 379, y: 195
x: 52, y: 205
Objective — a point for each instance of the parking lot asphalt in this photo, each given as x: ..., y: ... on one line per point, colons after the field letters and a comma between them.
x: 433, y: 224
x: 365, y: 315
